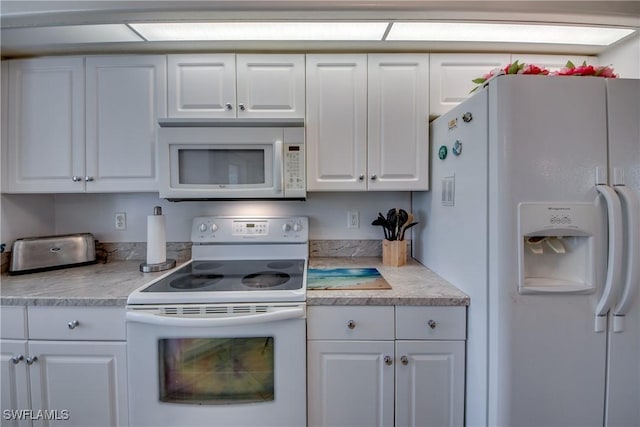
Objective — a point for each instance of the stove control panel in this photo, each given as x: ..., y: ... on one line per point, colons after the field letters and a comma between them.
x: 250, y: 228
x: 218, y: 229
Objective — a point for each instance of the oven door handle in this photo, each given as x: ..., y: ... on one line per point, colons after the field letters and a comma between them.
x: 208, y: 322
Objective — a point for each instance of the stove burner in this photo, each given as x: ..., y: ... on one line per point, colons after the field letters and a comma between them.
x: 206, y: 265
x: 265, y: 279
x: 280, y: 265
x: 195, y: 281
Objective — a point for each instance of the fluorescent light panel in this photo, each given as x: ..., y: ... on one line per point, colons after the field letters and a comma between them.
x: 513, y: 33
x: 64, y: 34
x: 216, y: 31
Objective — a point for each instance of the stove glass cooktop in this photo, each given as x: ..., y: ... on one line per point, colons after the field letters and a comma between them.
x: 237, y: 275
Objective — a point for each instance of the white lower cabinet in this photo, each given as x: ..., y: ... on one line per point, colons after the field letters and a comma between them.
x: 73, y: 374
x: 386, y: 366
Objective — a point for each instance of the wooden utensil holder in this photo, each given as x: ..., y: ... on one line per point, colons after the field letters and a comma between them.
x: 394, y: 252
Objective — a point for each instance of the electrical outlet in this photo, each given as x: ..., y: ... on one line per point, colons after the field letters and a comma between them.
x: 121, y: 221
x: 353, y: 219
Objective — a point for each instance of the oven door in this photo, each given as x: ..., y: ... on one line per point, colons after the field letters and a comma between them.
x: 221, y: 163
x: 228, y: 365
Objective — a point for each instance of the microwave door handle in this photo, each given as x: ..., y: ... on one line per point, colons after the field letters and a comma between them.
x: 195, y: 322
x: 278, y: 159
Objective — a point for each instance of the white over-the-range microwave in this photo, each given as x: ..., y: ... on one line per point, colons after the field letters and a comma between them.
x: 207, y: 159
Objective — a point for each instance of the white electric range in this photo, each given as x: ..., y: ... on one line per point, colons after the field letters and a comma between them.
x: 223, y: 336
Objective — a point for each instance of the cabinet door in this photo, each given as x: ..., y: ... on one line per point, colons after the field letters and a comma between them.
x: 46, y: 125
x: 14, y: 381
x: 125, y: 97
x: 336, y: 122
x: 270, y: 85
x: 350, y: 384
x: 202, y: 85
x: 429, y: 383
x: 88, y: 379
x: 398, y: 123
x: 451, y: 76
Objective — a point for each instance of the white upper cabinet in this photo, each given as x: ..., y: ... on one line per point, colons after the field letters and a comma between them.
x: 202, y: 86
x: 229, y: 86
x: 270, y: 85
x: 451, y: 74
x: 336, y: 123
x: 45, y: 144
x: 367, y: 122
x: 79, y: 124
x: 125, y: 97
x: 398, y: 122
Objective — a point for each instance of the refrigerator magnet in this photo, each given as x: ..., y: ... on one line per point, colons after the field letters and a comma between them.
x: 457, y: 148
x: 442, y: 152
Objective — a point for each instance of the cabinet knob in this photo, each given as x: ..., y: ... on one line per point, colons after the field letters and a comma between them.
x: 432, y: 324
x: 228, y: 106
x: 351, y: 324
x: 73, y: 324
x: 404, y: 360
x: 361, y: 178
x: 374, y: 177
x: 31, y: 360
x: 88, y: 179
x: 388, y: 361
x: 76, y: 178
x: 242, y: 107
x: 16, y: 359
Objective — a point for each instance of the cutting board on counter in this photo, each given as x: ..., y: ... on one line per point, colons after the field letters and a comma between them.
x: 345, y: 278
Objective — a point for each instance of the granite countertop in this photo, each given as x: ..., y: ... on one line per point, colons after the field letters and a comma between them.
x: 110, y: 284
x: 411, y: 284
x: 92, y: 285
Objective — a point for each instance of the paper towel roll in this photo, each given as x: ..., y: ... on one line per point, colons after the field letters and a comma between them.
x: 156, y: 240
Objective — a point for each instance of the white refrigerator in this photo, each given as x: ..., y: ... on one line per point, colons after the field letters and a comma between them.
x: 533, y: 212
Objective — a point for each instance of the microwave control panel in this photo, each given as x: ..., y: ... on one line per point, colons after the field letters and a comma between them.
x: 294, y: 170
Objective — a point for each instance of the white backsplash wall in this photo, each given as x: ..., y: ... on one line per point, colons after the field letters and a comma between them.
x: 26, y: 215
x: 327, y: 212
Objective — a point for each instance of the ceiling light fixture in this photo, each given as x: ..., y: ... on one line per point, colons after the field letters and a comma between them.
x: 256, y: 31
x: 505, y: 33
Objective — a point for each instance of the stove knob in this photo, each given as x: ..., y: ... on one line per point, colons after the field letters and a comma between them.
x: 214, y: 228
x: 286, y: 227
x: 297, y: 227
x: 202, y: 227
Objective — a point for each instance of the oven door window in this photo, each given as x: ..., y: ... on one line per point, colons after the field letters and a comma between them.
x: 224, y: 166
x: 216, y: 371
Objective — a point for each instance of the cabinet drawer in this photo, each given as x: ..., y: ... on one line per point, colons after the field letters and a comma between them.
x: 430, y: 323
x: 350, y: 323
x: 77, y: 323
x: 13, y: 323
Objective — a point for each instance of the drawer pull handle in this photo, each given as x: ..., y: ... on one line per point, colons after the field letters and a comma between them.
x: 31, y: 360
x: 73, y: 324
x: 388, y: 361
x: 432, y: 324
x: 404, y: 360
x: 16, y: 359
x: 351, y: 324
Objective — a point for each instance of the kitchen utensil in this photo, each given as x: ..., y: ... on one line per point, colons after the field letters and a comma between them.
x: 407, y: 224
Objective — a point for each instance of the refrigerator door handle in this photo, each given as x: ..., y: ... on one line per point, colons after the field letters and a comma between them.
x: 614, y: 262
x: 632, y: 281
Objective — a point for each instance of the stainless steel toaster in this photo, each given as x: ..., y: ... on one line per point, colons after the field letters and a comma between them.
x: 34, y: 254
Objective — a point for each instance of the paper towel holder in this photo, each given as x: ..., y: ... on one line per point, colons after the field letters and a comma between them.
x: 152, y: 268
x: 166, y: 265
